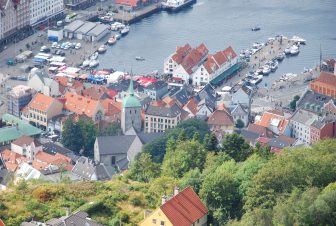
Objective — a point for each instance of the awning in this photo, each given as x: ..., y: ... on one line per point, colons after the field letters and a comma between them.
x: 177, y: 79
x: 225, y: 74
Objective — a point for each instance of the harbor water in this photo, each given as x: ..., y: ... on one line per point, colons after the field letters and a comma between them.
x: 221, y: 23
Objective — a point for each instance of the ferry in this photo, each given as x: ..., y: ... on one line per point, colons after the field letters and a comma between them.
x: 175, y: 5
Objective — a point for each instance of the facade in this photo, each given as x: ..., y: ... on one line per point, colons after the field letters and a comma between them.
x: 83, y: 106
x: 131, y: 111
x: 240, y: 112
x: 156, y: 90
x: 18, y: 98
x: 214, y: 66
x: 42, y: 11
x: 78, y: 4
x: 160, y: 118
x: 323, y: 128
x: 325, y: 84
x: 42, y: 108
x: 26, y: 146
x: 221, y: 120
x: 182, y: 209
x: 47, y: 86
x: 175, y: 59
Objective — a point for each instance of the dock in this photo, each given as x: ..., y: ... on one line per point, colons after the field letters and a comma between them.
x: 132, y: 17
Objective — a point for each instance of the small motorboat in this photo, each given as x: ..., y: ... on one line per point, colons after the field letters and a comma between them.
x: 255, y: 28
x: 94, y: 56
x: 125, y: 30
x: 94, y: 63
x: 294, y: 50
x: 287, y: 50
x: 139, y: 58
x: 280, y: 57
x: 256, y: 80
x: 297, y: 39
x: 86, y: 63
x: 266, y: 70
x: 259, y: 70
x: 102, y: 49
x: 112, y: 40
x: 118, y: 36
x: 274, y: 66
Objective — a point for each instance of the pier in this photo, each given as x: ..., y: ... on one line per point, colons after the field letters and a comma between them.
x: 132, y: 17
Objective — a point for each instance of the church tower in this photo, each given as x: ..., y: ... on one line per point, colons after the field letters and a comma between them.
x: 131, y: 111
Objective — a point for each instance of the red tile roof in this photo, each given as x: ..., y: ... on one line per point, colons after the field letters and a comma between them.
x: 191, y: 106
x: 94, y: 92
x: 181, y: 52
x: 194, y: 58
x: 25, y: 140
x: 2, y: 223
x: 12, y: 159
x: 326, y: 78
x: 274, y: 116
x: 220, y: 118
x: 41, y: 102
x: 132, y: 3
x: 80, y: 105
x: 230, y: 53
x: 111, y: 107
x: 185, y: 208
x: 261, y: 130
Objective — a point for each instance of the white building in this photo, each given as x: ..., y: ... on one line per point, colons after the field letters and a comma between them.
x: 26, y: 146
x: 42, y: 10
x: 47, y: 86
x: 175, y: 59
x: 215, y: 65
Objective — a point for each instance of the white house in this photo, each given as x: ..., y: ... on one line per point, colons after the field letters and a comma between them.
x: 214, y: 66
x: 26, y: 146
x: 242, y: 96
x: 41, y: 11
x: 175, y: 59
x: 47, y: 86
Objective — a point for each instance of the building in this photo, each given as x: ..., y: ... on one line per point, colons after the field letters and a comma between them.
x: 18, y: 98
x: 325, y: 84
x: 240, y: 112
x: 83, y: 106
x: 70, y: 29
x: 97, y: 33
x: 221, y: 120
x: 130, y: 5
x: 42, y: 108
x: 81, y: 33
x: 276, y: 121
x: 160, y: 118
x: 215, y: 65
x: 43, y: 11
x: 242, y: 96
x: 182, y: 209
x: 112, y: 110
x: 175, y: 59
x: 86, y: 169
x: 322, y: 128
x: 313, y: 102
x: 15, y: 128
x: 78, y: 4
x: 278, y: 143
x: 156, y: 90
x: 118, y: 156
x: 131, y: 111
x: 26, y: 146
x: 45, y: 85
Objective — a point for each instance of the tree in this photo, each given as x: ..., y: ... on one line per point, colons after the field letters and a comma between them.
x: 72, y: 136
x: 210, y: 142
x: 185, y: 156
x: 112, y: 129
x: 236, y: 147
x: 192, y: 178
x: 143, y: 168
x: 263, y: 152
x: 89, y: 133
x: 220, y: 192
x: 292, y: 104
x: 239, y: 123
x: 161, y: 186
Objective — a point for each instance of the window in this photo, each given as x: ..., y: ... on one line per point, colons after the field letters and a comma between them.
x: 113, y: 160
x: 162, y: 223
x: 153, y: 221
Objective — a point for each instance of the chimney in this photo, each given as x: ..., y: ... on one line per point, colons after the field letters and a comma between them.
x: 163, y: 199
x: 176, y: 190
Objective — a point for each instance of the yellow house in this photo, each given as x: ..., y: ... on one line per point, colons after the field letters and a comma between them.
x: 183, y: 209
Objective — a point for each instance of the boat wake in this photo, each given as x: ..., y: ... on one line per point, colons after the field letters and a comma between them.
x: 199, y: 4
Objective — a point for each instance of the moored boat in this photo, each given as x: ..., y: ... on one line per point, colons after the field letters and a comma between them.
x: 266, y: 70
x: 297, y: 39
x: 256, y: 28
x: 176, y: 5
x: 280, y: 56
x: 102, y: 49
x: 86, y: 63
x: 93, y: 63
x: 125, y: 30
x: 112, y: 40
x: 294, y: 50
x: 139, y: 58
x: 94, y: 56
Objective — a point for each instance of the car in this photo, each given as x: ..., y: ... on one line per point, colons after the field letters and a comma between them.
x: 43, y: 48
x: 66, y: 47
x: 58, y: 46
x: 46, y: 50
x: 62, y: 53
x: 78, y: 46
x: 54, y: 45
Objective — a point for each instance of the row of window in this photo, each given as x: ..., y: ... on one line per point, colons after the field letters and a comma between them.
x: 38, y: 117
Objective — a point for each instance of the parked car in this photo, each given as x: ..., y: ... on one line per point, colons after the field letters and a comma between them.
x: 78, y: 46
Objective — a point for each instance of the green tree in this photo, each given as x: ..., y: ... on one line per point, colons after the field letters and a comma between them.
x: 240, y: 124
x: 185, y: 156
x: 112, y: 129
x: 210, y: 142
x: 161, y: 186
x: 236, y: 147
x: 72, y: 136
x: 89, y: 133
x: 292, y: 104
x: 143, y: 168
x: 192, y: 178
x: 263, y: 152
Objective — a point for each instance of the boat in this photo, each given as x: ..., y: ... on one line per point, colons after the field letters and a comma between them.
x: 266, y: 70
x: 102, y: 49
x: 256, y: 28
x: 294, y: 50
x: 118, y: 36
x: 287, y: 50
x: 274, y: 66
x: 94, y: 56
x: 106, y: 19
x: 256, y: 80
x: 297, y: 39
x: 125, y: 30
x: 86, y: 63
x: 112, y: 40
x: 176, y: 5
x: 139, y: 58
x: 93, y: 63
x: 280, y: 57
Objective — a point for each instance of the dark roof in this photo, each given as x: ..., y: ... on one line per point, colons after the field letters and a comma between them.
x: 207, y: 92
x: 262, y: 131
x: 123, y: 85
x: 249, y: 135
x: 87, y: 168
x: 312, y: 101
x: 149, y: 137
x: 164, y: 111
x: 278, y: 143
x: 75, y: 219
x: 247, y: 90
x: 322, y: 121
x: 52, y: 148
x: 120, y: 144
x: 183, y: 95
x: 157, y: 85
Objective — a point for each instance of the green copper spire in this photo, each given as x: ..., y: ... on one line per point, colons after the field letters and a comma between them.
x: 131, y: 101
x: 131, y: 88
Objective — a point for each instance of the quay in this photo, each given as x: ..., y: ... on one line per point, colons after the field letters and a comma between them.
x: 135, y: 16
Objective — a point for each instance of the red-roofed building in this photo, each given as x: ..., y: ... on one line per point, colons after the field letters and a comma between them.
x: 112, y: 110
x: 174, y: 60
x: 11, y: 159
x: 183, y: 209
x: 325, y: 84
x: 131, y: 4
x: 275, y: 121
x: 215, y: 65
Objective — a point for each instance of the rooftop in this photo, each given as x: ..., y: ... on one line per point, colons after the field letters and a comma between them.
x: 164, y: 111
x: 41, y: 102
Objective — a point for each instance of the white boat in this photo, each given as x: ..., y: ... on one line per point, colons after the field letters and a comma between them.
x: 125, y: 30
x: 274, y: 66
x: 280, y: 56
x: 266, y: 70
x: 86, y: 63
x: 297, y: 39
x: 256, y: 80
x: 112, y: 40
x: 175, y: 5
x: 102, y: 49
x: 94, y: 63
x: 287, y: 50
x: 294, y: 50
x: 94, y: 56
x: 118, y: 36
x: 139, y: 58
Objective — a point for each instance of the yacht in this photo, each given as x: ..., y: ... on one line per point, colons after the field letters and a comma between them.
x: 175, y: 5
x: 102, y: 49
x: 266, y: 70
x: 294, y: 50
x: 125, y: 30
x: 118, y: 36
x: 287, y: 50
x: 297, y: 39
x: 94, y: 63
x: 255, y: 28
x: 256, y: 80
x: 280, y: 57
x: 274, y: 66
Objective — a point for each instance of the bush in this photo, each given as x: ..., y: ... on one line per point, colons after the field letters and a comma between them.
x: 136, y: 201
